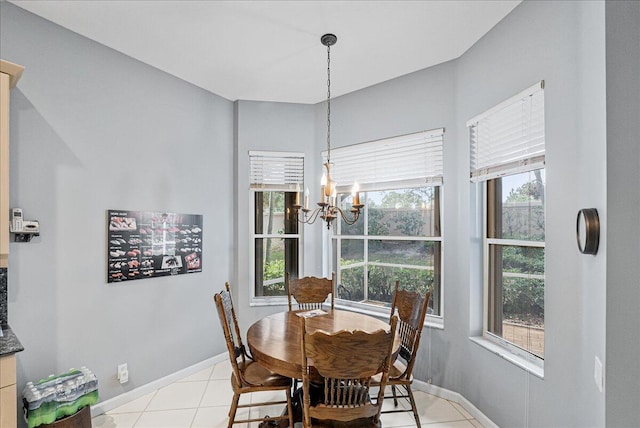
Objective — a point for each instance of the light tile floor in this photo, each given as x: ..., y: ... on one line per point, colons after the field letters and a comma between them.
x: 202, y: 400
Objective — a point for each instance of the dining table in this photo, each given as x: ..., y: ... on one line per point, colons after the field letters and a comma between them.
x: 274, y: 341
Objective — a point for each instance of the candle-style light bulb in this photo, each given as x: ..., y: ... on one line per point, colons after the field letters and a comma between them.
x: 355, y: 191
x: 330, y: 184
x: 297, y: 195
x: 306, y: 199
x: 323, y: 187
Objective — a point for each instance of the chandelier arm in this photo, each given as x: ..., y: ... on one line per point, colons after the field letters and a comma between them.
x: 346, y: 219
x: 309, y: 218
x: 314, y: 215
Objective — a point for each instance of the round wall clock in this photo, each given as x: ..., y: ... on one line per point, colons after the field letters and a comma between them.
x: 588, y: 230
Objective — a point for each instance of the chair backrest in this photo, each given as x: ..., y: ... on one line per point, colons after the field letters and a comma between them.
x: 346, y: 361
x: 411, y: 308
x: 229, y: 323
x: 309, y: 292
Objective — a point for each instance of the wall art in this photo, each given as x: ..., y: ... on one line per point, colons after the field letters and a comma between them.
x: 149, y: 244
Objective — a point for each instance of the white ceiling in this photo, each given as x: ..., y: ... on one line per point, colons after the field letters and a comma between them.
x: 271, y: 50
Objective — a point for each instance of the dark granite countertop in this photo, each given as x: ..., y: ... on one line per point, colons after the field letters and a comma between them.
x: 9, y: 343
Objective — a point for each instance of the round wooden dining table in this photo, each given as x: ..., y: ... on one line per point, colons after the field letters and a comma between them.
x: 274, y: 341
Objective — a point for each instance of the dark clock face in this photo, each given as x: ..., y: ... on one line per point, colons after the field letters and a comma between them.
x: 588, y: 230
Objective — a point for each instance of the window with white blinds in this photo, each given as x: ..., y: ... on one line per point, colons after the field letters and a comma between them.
x: 399, y: 162
x: 276, y: 170
x: 509, y: 138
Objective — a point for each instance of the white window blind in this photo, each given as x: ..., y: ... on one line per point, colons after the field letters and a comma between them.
x: 404, y: 161
x: 276, y: 170
x: 509, y: 138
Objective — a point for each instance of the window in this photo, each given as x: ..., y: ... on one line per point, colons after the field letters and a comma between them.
x: 507, y: 154
x: 275, y: 182
x: 398, y: 239
x: 399, y: 234
x: 515, y: 259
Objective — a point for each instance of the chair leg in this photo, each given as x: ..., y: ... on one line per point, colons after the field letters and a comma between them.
x: 395, y: 397
x: 234, y: 407
x: 413, y: 405
x: 290, y: 408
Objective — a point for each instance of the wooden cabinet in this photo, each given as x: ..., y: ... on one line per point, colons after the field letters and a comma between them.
x: 8, y: 392
x: 9, y: 75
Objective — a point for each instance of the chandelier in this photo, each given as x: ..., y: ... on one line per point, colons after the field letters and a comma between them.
x: 327, y: 209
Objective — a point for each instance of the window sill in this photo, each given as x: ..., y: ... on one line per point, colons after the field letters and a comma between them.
x: 269, y: 301
x: 383, y: 314
x: 502, y: 352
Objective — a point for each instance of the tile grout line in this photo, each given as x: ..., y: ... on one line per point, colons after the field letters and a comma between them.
x: 155, y: 392
x: 464, y: 418
x: 206, y: 388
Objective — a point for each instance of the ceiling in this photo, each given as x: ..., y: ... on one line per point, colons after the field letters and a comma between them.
x: 271, y: 50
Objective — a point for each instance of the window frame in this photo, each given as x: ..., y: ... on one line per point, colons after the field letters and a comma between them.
x: 393, y: 171
x: 288, y: 179
x: 431, y: 320
x: 256, y: 300
x: 529, y: 358
x: 496, y: 153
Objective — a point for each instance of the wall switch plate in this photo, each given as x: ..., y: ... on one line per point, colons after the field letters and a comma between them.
x: 123, y: 373
x: 597, y: 374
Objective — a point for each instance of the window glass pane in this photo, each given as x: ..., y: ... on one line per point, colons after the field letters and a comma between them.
x: 351, y: 286
x: 517, y: 296
x: 270, y: 213
x: 382, y: 281
x: 345, y: 204
x: 351, y: 251
x: 405, y: 212
x: 518, y: 261
x: 412, y: 212
x: 419, y: 253
x: 519, y: 203
x: 273, y: 256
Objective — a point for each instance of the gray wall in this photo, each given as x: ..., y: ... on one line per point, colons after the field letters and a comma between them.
x: 92, y: 129
x: 623, y: 205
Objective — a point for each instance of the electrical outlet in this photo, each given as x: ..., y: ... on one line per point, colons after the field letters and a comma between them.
x: 123, y: 373
x: 597, y: 374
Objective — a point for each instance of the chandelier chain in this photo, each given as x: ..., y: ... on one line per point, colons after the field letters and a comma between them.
x: 329, y: 102
x: 327, y: 209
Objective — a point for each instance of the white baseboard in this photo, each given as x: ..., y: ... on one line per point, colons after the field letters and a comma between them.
x: 456, y: 398
x: 119, y: 400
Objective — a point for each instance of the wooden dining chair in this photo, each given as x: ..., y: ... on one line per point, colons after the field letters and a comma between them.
x: 346, y: 361
x: 247, y: 375
x: 411, y: 308
x: 309, y: 292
